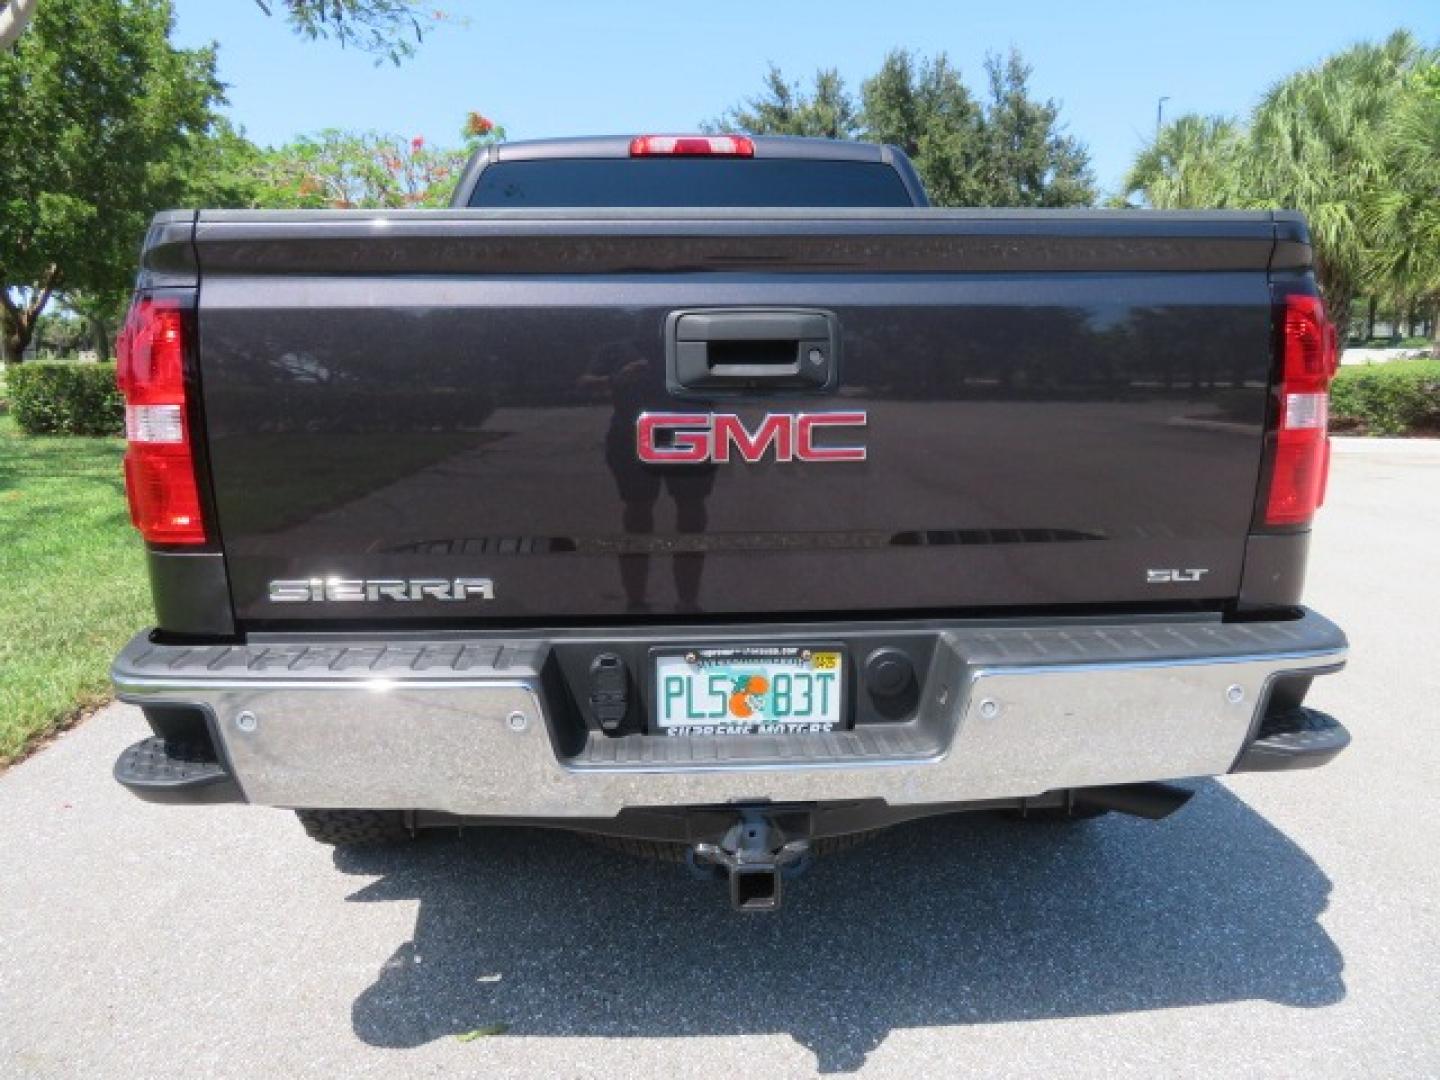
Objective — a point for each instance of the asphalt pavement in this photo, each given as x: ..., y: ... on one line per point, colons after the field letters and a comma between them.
x: 1280, y: 925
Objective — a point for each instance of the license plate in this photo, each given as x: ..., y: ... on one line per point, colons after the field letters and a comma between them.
x: 750, y: 690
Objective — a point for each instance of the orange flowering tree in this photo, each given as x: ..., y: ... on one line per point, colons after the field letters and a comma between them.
x: 345, y: 169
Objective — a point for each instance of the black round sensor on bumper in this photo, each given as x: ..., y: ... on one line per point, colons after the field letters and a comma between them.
x: 890, y: 681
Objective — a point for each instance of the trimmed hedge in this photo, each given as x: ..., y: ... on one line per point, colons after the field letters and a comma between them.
x: 65, y: 399
x: 1397, y: 398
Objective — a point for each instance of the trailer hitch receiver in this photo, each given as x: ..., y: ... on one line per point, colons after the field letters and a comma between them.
x: 756, y: 854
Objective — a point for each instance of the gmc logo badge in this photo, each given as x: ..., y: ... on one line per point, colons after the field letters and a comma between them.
x: 688, y: 438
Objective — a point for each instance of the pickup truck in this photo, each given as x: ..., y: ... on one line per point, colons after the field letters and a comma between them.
x: 716, y: 497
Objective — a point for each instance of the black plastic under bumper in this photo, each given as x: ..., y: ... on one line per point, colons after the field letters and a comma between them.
x: 1297, y: 738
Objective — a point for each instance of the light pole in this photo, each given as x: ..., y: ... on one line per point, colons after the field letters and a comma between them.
x: 1160, y: 115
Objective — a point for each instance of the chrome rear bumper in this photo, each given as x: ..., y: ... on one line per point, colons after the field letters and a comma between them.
x: 461, y: 726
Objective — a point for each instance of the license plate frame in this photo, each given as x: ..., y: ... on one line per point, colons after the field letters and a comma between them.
x: 826, y: 665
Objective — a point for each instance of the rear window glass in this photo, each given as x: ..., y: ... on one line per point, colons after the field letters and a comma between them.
x: 692, y: 181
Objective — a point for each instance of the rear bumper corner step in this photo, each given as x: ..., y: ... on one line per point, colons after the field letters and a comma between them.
x: 1297, y: 738
x: 175, y: 771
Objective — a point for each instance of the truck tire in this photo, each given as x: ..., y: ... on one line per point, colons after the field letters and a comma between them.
x: 673, y: 851
x: 354, y: 828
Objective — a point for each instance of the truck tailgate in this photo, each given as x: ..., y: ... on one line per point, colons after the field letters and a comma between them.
x: 1060, y: 408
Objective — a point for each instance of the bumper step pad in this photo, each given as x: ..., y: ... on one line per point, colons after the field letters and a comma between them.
x: 1297, y: 738
x: 172, y: 770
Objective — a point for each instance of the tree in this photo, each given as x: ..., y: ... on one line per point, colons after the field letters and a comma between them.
x: 99, y: 109
x: 923, y: 106
x: 1319, y: 147
x: 221, y: 168
x: 100, y: 314
x: 60, y: 331
x: 384, y: 28
x: 1029, y: 160
x: 1350, y: 142
x: 1194, y: 162
x: 784, y: 108
x: 1010, y: 150
x: 345, y: 169
x: 1404, y: 214
x: 387, y: 29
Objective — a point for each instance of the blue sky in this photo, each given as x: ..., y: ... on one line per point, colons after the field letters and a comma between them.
x: 566, y: 67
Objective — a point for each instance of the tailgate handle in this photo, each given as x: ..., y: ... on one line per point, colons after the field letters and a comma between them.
x: 772, y: 349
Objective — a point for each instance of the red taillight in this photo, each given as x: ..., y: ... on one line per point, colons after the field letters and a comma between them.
x: 1308, y: 358
x: 159, y: 464
x: 692, y: 146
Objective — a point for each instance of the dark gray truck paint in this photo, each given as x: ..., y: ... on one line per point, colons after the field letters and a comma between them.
x: 1058, y: 402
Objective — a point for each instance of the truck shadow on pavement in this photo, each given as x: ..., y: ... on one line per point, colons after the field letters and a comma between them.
x: 958, y: 920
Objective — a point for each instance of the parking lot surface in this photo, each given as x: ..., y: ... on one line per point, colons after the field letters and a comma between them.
x: 1279, y: 925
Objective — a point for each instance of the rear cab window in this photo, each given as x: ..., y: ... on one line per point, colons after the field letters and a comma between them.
x: 689, y: 182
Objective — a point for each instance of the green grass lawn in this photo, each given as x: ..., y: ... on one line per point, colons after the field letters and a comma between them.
x: 72, y: 579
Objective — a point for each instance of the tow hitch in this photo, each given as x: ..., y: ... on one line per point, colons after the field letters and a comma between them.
x: 757, y: 852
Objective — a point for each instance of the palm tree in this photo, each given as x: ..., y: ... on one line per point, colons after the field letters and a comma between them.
x: 1404, y: 214
x: 1351, y: 142
x: 1319, y: 145
x: 1195, y: 163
